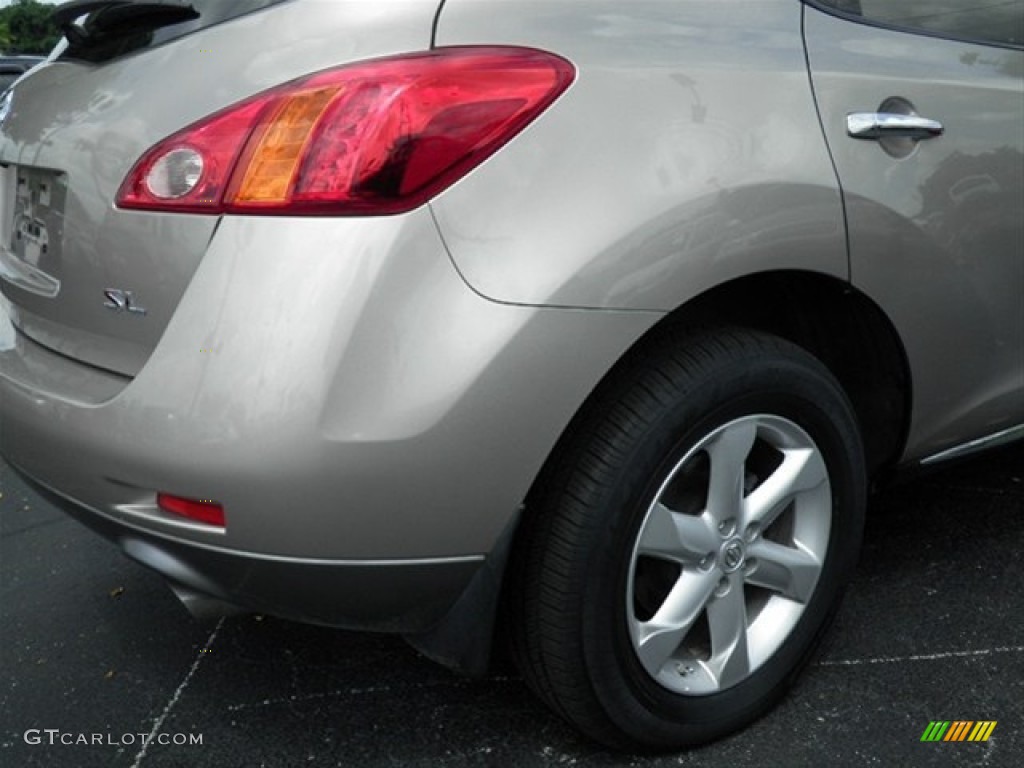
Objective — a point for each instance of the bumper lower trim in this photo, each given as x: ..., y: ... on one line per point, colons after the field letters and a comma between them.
x: 401, y: 596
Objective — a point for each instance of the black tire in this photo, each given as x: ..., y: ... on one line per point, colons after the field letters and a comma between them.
x: 585, y: 590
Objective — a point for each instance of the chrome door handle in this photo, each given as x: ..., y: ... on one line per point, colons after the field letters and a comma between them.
x: 882, y: 125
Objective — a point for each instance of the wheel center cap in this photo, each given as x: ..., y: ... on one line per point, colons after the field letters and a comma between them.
x: 732, y: 555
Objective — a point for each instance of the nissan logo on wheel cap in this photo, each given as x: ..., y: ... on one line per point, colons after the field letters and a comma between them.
x: 732, y: 555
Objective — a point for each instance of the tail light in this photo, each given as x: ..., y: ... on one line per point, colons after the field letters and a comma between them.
x: 378, y: 137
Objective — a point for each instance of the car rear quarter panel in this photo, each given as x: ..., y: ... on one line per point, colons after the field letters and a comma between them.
x: 688, y: 152
x: 333, y: 383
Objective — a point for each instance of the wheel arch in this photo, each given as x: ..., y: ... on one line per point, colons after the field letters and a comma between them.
x: 836, y: 323
x: 825, y: 316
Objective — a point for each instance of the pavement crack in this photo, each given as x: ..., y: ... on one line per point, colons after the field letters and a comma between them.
x: 158, y: 724
x: 357, y: 691
x: 33, y: 527
x: 921, y: 657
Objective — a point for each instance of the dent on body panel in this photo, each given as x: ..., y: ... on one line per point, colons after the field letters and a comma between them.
x: 686, y: 153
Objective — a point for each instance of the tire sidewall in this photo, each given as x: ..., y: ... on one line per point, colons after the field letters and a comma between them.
x: 796, y: 389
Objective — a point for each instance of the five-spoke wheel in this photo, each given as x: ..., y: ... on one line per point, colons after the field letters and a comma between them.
x: 689, y: 541
x: 728, y: 554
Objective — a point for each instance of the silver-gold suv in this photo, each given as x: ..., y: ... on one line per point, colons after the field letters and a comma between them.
x: 586, y: 320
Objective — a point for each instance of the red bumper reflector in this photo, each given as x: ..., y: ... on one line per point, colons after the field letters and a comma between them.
x: 200, y: 510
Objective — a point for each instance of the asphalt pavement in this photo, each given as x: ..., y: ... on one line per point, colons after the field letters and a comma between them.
x: 100, y: 666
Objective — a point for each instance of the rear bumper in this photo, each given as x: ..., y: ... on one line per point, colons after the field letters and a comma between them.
x: 401, y: 596
x: 370, y: 424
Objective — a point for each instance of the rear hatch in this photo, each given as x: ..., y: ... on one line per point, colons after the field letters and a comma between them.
x: 91, y: 281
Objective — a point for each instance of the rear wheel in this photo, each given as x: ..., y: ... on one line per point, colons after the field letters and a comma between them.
x: 690, y: 541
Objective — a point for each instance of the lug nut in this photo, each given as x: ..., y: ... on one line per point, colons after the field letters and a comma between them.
x: 723, y: 587
x: 684, y: 669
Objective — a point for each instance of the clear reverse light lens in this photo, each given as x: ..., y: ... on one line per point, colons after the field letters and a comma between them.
x: 175, y: 174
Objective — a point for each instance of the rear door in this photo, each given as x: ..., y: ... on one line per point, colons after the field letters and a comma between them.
x: 922, y: 105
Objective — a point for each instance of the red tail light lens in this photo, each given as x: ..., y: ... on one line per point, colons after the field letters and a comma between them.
x: 378, y: 137
x: 199, y: 510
